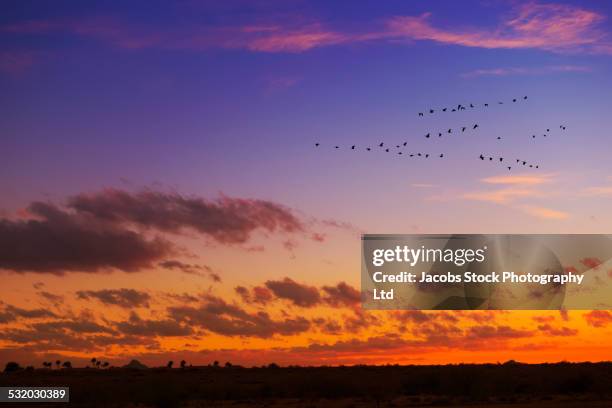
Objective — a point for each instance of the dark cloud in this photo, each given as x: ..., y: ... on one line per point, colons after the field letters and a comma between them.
x: 256, y: 295
x: 56, y: 241
x: 599, y: 318
x: 127, y: 298
x: 11, y: 313
x: 191, y: 269
x: 550, y: 330
x: 490, y: 332
x: 217, y: 316
x: 226, y: 220
x: 298, y: 293
x: 342, y: 295
x: 136, y: 326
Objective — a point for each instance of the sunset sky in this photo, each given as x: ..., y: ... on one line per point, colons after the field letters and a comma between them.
x: 161, y: 195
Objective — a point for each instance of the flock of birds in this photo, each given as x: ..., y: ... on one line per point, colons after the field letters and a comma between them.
x: 496, y: 159
x: 460, y: 107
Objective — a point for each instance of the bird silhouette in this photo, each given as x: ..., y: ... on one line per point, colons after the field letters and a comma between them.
x: 397, y: 146
x: 444, y: 110
x: 533, y: 136
x: 399, y: 152
x: 509, y: 167
x: 498, y: 137
x: 381, y: 144
x: 471, y: 106
x: 514, y: 100
x: 441, y: 154
x: 337, y: 147
x: 427, y: 135
x: 412, y: 155
x: 419, y: 154
x: 481, y: 157
x: 524, y: 163
x: 405, y: 143
x: 548, y: 130
x: 450, y: 130
x: 431, y: 111
x: 439, y: 134
x: 531, y: 165
x: 500, y: 103
x: 427, y: 155
x: 368, y: 149
x: 562, y: 127
x: 475, y: 126
x: 420, y: 113
x: 463, y: 129
x: 454, y: 110
x: 353, y: 147
x: 517, y: 160
x: 501, y: 159
x: 490, y: 158
x: 486, y: 104
x: 387, y: 150
x: 524, y: 97
x: 537, y: 167
x: 317, y: 144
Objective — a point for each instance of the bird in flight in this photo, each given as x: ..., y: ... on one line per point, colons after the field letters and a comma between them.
x: 444, y: 110
x: 353, y: 147
x: 368, y: 149
x: 498, y: 137
x: 486, y: 104
x: 463, y: 129
x: 514, y: 100
x: 317, y: 144
x: 427, y: 135
x: 420, y: 113
x: 509, y: 167
x: 431, y: 111
x: 450, y: 130
x: 441, y: 154
x: 337, y: 147
x: 481, y: 157
x: 381, y: 144
x: 475, y: 126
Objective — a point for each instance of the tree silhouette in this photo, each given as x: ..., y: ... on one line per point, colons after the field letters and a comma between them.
x: 93, y: 361
x: 183, y: 363
x: 228, y: 364
x: 47, y: 364
x: 11, y: 367
x: 216, y: 364
x: 67, y: 364
x: 98, y: 362
x: 170, y: 364
x: 58, y: 363
x: 105, y: 364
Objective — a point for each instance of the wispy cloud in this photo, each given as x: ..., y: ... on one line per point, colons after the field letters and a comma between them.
x: 497, y: 72
x: 551, y: 27
x: 514, y: 191
x: 598, y: 191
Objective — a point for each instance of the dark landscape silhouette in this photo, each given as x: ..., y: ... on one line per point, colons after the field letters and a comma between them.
x: 508, y: 384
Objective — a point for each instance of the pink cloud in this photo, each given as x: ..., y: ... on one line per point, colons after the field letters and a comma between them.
x: 17, y: 62
x: 552, y: 27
